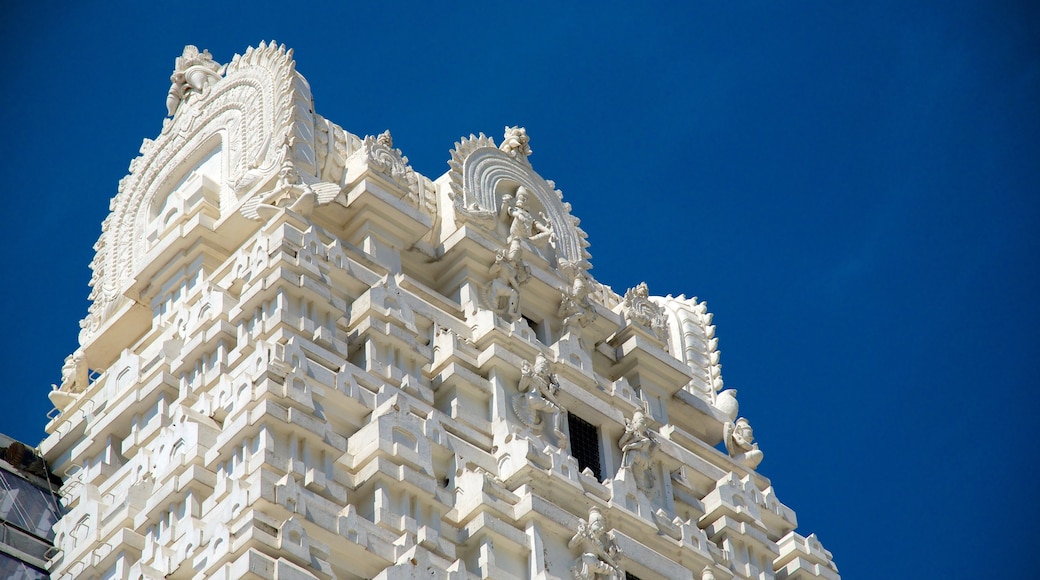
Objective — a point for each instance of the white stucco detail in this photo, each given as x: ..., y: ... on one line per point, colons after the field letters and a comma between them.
x: 306, y: 360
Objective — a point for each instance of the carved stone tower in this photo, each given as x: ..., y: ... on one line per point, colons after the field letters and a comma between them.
x: 305, y: 360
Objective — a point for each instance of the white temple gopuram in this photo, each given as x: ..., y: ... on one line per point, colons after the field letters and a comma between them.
x: 305, y: 360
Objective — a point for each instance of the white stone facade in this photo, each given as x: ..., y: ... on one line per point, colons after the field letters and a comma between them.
x: 305, y: 360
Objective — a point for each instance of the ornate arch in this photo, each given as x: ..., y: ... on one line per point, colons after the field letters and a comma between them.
x: 478, y: 167
x: 259, y: 108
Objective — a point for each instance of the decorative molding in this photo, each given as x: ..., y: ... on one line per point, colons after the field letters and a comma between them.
x: 261, y: 100
x: 478, y: 172
x: 693, y: 341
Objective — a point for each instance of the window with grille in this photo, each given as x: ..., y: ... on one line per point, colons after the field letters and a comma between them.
x: 584, y: 444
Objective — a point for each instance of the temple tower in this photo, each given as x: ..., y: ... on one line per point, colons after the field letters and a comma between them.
x: 305, y: 360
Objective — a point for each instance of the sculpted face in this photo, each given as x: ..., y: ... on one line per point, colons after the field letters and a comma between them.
x: 744, y: 433
x: 596, y: 523
x: 521, y: 197
x: 639, y: 421
x: 288, y: 173
x: 541, y: 365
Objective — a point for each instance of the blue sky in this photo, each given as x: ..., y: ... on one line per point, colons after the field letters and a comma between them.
x: 852, y: 188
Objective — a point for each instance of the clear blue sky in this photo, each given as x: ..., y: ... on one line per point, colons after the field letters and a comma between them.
x: 853, y: 189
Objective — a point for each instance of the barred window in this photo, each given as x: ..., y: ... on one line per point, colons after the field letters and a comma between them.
x: 585, y: 444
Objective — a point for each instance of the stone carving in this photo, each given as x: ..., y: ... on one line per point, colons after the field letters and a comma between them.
x: 474, y: 211
x: 74, y: 372
x: 502, y: 293
x: 523, y: 225
x: 707, y: 574
x: 599, y: 551
x: 638, y: 309
x: 193, y: 71
x: 538, y: 388
x: 478, y: 168
x: 727, y: 403
x: 251, y: 106
x: 576, y: 309
x: 637, y: 448
x: 739, y: 440
x: 290, y: 192
x: 694, y: 342
x: 391, y: 162
x: 509, y: 272
x: 516, y: 143
x: 439, y: 410
x: 74, y: 381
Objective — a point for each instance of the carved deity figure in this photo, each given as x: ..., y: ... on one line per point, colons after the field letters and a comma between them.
x: 509, y: 271
x: 503, y: 291
x: 638, y: 309
x: 74, y: 381
x: 193, y: 71
x: 637, y: 448
x: 576, y: 310
x: 74, y: 372
x: 515, y: 142
x: 523, y: 225
x: 740, y: 443
x: 289, y: 191
x: 538, y: 388
x: 599, y: 551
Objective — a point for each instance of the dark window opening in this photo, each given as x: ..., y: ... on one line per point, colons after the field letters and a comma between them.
x: 584, y: 444
x: 631, y: 576
x: 536, y: 328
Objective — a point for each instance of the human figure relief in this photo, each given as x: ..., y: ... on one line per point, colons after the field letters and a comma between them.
x: 538, y: 388
x: 575, y: 310
x: 74, y: 381
x: 502, y: 293
x: 637, y: 447
x: 739, y: 440
x: 599, y: 551
x: 289, y: 191
x: 523, y: 225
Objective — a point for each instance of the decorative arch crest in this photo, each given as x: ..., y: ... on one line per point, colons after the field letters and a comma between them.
x: 260, y: 109
x: 479, y: 169
x: 692, y: 340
